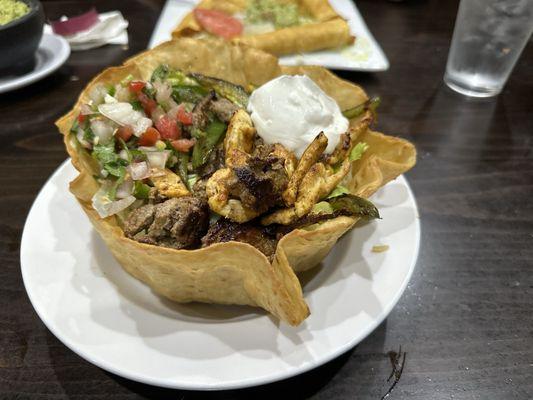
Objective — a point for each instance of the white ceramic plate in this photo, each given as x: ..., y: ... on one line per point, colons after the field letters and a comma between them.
x: 364, y: 55
x: 116, y: 322
x: 52, y: 53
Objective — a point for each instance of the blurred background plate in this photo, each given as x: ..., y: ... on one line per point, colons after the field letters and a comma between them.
x: 364, y: 55
x: 119, y: 324
x: 52, y: 53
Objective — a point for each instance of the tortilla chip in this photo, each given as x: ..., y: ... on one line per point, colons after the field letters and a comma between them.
x: 328, y: 31
x: 234, y: 272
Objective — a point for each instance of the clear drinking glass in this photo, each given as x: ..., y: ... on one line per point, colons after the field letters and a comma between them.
x: 488, y: 38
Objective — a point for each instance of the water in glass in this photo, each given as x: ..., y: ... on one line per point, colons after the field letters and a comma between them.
x: 488, y: 38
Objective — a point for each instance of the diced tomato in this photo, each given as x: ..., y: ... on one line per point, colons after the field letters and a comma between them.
x: 81, y: 118
x: 218, y: 23
x: 147, y: 103
x: 183, y: 116
x: 183, y: 144
x: 136, y: 86
x: 168, y: 128
x: 149, y: 137
x: 124, y: 132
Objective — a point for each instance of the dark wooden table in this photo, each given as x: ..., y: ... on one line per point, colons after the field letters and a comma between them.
x: 466, y: 319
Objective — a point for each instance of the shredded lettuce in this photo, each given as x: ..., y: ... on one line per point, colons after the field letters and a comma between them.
x: 338, y: 191
x: 322, y: 207
x: 358, y: 150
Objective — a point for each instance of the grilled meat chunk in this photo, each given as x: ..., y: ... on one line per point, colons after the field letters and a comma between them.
x: 211, y: 104
x: 178, y: 222
x: 259, y: 183
x: 139, y: 220
x: 223, y: 109
x: 200, y: 116
x: 224, y: 230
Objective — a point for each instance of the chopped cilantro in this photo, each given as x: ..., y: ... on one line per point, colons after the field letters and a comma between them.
x: 105, y: 153
x: 136, y: 104
x: 111, y: 90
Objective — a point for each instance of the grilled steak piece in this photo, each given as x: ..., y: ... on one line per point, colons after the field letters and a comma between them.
x: 225, y: 230
x: 198, y: 189
x: 211, y: 104
x: 139, y: 219
x: 178, y: 222
x: 223, y: 108
x: 259, y: 183
x: 200, y: 112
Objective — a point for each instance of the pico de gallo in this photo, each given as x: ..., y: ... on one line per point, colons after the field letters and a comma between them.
x: 141, y: 131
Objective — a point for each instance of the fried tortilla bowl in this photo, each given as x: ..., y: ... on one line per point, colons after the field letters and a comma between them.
x: 328, y: 30
x: 234, y: 272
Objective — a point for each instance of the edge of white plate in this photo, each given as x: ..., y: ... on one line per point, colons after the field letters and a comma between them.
x: 230, y: 385
x: 32, y: 77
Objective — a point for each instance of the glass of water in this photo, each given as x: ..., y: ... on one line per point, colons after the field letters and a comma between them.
x: 488, y: 38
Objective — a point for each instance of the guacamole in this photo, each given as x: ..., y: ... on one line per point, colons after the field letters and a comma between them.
x: 280, y: 14
x: 11, y: 10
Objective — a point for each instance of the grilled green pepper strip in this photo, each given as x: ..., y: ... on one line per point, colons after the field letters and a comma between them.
x: 188, y: 94
x: 206, y: 142
x: 160, y: 73
x: 232, y: 92
x: 172, y: 76
x: 181, y: 167
x: 348, y: 204
x: 141, y: 190
x: 358, y: 110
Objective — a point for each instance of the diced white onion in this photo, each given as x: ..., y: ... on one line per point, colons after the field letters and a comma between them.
x: 122, y: 94
x: 172, y: 108
x: 123, y: 154
x: 108, y: 99
x: 80, y: 136
x: 98, y: 93
x: 125, y: 188
x: 141, y: 126
x: 163, y: 91
x: 157, y: 159
x: 105, y: 207
x: 144, y: 149
x: 85, y: 109
x: 124, y: 114
x: 139, y: 170
x: 102, y: 130
x: 157, y: 113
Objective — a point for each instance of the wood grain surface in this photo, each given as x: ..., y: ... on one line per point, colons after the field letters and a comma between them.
x: 466, y: 318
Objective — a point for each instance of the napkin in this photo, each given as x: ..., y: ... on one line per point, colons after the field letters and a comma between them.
x: 111, y: 29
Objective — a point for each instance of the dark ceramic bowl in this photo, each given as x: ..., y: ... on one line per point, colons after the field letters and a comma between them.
x: 20, y: 38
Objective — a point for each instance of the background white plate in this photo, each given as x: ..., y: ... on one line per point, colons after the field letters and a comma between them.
x: 52, y: 53
x: 364, y: 55
x: 112, y: 320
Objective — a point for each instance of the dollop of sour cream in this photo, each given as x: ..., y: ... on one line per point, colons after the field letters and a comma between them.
x: 293, y: 110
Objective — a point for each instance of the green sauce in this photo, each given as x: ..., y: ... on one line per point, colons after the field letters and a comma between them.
x: 11, y: 10
x: 281, y: 15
